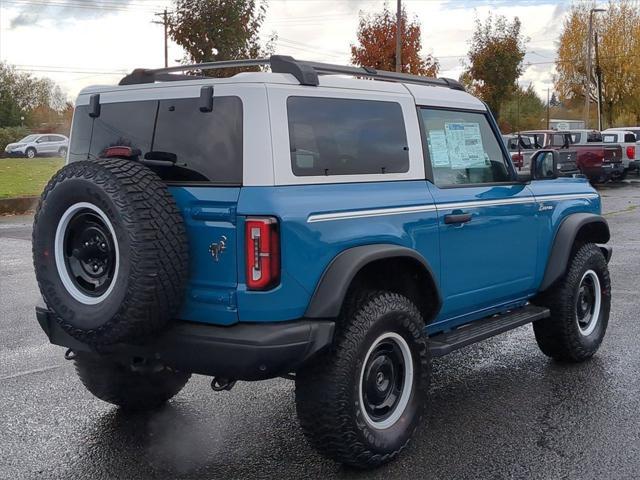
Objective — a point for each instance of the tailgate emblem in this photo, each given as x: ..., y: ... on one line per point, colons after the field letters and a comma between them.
x: 215, y: 249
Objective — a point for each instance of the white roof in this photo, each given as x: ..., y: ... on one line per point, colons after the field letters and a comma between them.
x: 423, y: 94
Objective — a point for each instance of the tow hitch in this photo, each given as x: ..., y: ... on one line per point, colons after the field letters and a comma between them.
x: 219, y: 384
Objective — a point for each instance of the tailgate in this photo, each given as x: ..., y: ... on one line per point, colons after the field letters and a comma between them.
x: 567, y: 160
x: 210, y: 217
x: 612, y: 154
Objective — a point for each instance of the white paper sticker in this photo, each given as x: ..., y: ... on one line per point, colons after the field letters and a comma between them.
x: 464, y: 143
x: 438, y: 148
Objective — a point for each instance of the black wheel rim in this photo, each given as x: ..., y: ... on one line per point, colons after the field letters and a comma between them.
x: 89, y: 253
x: 588, y: 300
x: 383, y: 380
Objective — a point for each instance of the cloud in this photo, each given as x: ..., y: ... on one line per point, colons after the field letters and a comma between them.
x: 65, y: 11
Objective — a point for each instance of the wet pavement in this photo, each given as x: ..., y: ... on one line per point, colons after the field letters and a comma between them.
x: 499, y: 409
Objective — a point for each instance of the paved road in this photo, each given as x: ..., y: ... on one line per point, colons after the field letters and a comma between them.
x: 498, y: 410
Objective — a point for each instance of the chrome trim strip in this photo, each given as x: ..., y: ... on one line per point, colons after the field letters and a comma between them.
x: 326, y: 217
x: 379, y: 212
x: 569, y: 196
x: 486, y: 203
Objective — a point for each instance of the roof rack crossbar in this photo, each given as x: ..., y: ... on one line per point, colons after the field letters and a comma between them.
x: 304, y: 71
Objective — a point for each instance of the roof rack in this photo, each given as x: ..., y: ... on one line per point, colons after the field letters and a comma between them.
x: 304, y: 71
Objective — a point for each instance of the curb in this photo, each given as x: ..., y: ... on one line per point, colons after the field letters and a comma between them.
x: 17, y: 206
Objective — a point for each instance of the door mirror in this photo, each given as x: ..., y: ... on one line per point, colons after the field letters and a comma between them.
x: 544, y: 165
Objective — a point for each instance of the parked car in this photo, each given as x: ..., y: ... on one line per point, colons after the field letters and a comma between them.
x: 599, y: 162
x: 36, y: 145
x: 521, y: 149
x: 630, y: 146
x: 568, y: 157
x: 296, y: 224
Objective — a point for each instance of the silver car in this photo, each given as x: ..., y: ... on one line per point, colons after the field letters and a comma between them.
x: 31, y: 146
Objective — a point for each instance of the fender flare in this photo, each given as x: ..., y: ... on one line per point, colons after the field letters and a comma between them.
x: 597, y: 230
x: 332, y: 288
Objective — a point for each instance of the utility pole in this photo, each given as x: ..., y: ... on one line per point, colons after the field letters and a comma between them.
x: 399, y: 37
x: 599, y: 79
x: 548, y: 107
x: 587, y: 91
x: 165, y: 22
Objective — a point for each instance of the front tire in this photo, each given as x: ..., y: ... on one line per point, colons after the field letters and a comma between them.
x: 580, y: 303
x: 30, y: 153
x: 361, y: 402
x: 125, y: 386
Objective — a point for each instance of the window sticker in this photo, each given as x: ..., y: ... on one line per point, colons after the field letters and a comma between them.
x: 465, y: 147
x: 438, y: 148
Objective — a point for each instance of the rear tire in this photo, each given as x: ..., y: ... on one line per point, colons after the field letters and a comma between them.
x: 580, y: 303
x: 361, y: 402
x: 63, y: 152
x: 130, y: 389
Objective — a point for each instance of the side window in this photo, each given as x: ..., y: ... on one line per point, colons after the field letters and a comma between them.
x: 462, y: 148
x: 80, y: 140
x: 629, y: 138
x: 610, y: 138
x: 333, y: 136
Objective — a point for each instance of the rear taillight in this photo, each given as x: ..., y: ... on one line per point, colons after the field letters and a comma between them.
x: 262, y: 238
x: 631, y: 152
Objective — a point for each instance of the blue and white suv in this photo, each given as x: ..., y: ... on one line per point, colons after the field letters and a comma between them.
x: 337, y: 231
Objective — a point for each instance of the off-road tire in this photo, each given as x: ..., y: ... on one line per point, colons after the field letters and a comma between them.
x: 559, y: 336
x: 148, y: 285
x: 328, y: 391
x: 126, y: 387
x: 30, y: 152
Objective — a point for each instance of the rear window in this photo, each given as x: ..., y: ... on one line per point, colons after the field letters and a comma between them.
x: 207, y: 146
x: 332, y: 136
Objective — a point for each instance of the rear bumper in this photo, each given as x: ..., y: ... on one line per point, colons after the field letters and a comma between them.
x: 604, y: 172
x: 239, y: 352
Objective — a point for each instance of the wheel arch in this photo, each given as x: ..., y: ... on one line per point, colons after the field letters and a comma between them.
x: 577, y: 227
x: 382, y: 266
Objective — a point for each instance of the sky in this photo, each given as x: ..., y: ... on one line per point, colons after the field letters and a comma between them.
x: 84, y: 42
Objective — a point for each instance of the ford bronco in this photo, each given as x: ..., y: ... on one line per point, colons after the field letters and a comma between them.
x: 340, y: 232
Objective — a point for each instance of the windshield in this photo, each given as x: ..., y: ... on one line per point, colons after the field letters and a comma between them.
x: 29, y: 138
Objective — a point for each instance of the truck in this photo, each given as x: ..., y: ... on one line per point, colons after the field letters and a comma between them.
x: 597, y: 161
x: 337, y: 226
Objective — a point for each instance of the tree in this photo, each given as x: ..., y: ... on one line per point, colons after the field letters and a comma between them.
x: 619, y: 42
x: 524, y: 111
x: 21, y: 95
x: 495, y: 60
x: 215, y: 30
x: 377, y: 44
x: 553, y: 101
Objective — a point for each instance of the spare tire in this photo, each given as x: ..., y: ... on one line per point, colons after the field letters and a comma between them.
x: 110, y: 251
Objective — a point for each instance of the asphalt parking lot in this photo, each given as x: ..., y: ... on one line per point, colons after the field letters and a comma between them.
x: 499, y: 409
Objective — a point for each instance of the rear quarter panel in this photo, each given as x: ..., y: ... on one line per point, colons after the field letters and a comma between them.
x: 307, y: 248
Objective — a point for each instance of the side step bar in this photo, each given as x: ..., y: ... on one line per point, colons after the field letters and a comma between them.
x: 444, y: 343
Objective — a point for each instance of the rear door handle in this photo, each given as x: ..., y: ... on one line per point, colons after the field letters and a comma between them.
x: 454, y: 218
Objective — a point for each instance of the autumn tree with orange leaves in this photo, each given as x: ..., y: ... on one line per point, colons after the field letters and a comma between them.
x: 377, y: 44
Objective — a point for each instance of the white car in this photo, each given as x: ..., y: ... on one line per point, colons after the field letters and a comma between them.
x: 629, y: 140
x: 35, y: 145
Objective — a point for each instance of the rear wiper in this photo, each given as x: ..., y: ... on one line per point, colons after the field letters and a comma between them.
x: 166, y: 159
